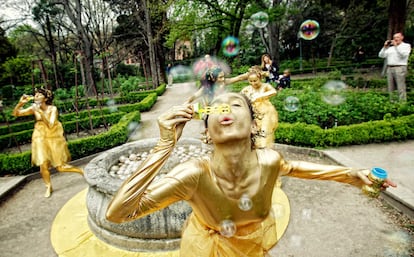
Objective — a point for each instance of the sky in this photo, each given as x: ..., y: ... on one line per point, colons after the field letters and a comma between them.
x: 13, y: 12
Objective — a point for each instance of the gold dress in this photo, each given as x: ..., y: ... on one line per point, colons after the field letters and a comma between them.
x: 195, y: 182
x: 266, y: 114
x: 48, y: 142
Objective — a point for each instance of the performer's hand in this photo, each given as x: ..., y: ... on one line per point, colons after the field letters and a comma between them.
x: 387, y: 183
x: 173, y: 121
x: 363, y: 175
x: 24, y: 99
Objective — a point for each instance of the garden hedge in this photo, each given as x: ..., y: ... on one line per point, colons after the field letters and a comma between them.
x: 20, y: 163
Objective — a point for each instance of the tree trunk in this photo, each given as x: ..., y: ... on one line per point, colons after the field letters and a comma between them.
x: 274, y: 31
x: 397, y: 13
x: 52, y: 51
x: 87, y: 47
x: 151, y: 47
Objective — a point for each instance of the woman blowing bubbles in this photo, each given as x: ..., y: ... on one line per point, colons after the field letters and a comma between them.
x: 49, y: 147
x: 214, y: 185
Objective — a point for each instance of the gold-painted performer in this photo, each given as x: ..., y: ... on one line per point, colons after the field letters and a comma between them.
x: 229, y: 191
x: 266, y: 116
x: 49, y: 146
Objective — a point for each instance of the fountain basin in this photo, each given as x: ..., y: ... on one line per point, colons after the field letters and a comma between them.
x: 158, y: 231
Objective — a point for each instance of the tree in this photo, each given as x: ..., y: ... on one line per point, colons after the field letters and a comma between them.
x: 42, y: 12
x: 7, y: 50
x: 397, y: 15
x: 207, y: 23
x: 141, y: 29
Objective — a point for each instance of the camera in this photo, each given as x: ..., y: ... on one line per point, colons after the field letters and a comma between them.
x: 389, y: 43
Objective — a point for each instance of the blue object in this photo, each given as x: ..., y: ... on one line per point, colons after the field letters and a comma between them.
x: 379, y: 173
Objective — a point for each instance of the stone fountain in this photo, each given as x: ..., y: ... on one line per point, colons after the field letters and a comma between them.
x: 105, y: 174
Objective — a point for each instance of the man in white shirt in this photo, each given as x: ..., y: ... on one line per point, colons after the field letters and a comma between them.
x: 396, y: 53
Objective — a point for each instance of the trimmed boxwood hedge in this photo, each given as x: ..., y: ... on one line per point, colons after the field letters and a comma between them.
x: 301, y: 134
x: 20, y: 163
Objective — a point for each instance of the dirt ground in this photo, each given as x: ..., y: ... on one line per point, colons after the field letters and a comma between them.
x: 327, y: 219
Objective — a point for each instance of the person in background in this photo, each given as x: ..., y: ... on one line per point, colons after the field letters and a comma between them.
x: 214, y: 83
x: 271, y: 67
x: 284, y: 80
x: 266, y: 116
x: 169, y: 76
x: 49, y: 146
x: 215, y: 185
x: 359, y: 55
x: 396, y: 53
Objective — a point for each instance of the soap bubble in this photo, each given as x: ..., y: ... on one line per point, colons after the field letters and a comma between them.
x: 245, y: 203
x: 112, y: 105
x: 227, y: 228
x: 201, y: 65
x: 278, y: 211
x: 181, y: 73
x: 231, y: 46
x: 249, y: 28
x: 295, y: 241
x: 132, y: 126
x: 397, y: 244
x: 309, y: 29
x: 292, y: 103
x: 260, y: 19
x: 333, y: 92
x: 306, y: 214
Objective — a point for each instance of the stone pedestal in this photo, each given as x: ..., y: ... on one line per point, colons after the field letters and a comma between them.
x: 158, y: 231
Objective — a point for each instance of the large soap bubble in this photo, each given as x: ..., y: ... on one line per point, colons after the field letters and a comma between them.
x: 309, y: 29
x: 230, y: 46
x: 202, y: 65
x: 260, y: 19
x: 250, y: 28
x: 333, y: 92
x: 182, y: 73
x: 292, y: 103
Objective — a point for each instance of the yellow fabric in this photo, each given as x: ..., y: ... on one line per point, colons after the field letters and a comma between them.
x: 250, y: 241
x: 71, y: 236
x: 266, y: 114
x: 49, y: 144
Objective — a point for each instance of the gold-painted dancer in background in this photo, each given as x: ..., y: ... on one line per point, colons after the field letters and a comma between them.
x: 49, y: 146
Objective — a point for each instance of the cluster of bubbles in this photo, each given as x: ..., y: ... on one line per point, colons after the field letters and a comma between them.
x: 309, y: 29
x: 291, y: 103
x: 227, y: 227
x: 333, y: 92
x: 128, y: 164
x: 231, y: 45
x: 297, y: 240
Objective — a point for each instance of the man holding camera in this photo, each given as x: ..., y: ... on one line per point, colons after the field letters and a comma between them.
x: 396, y: 53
